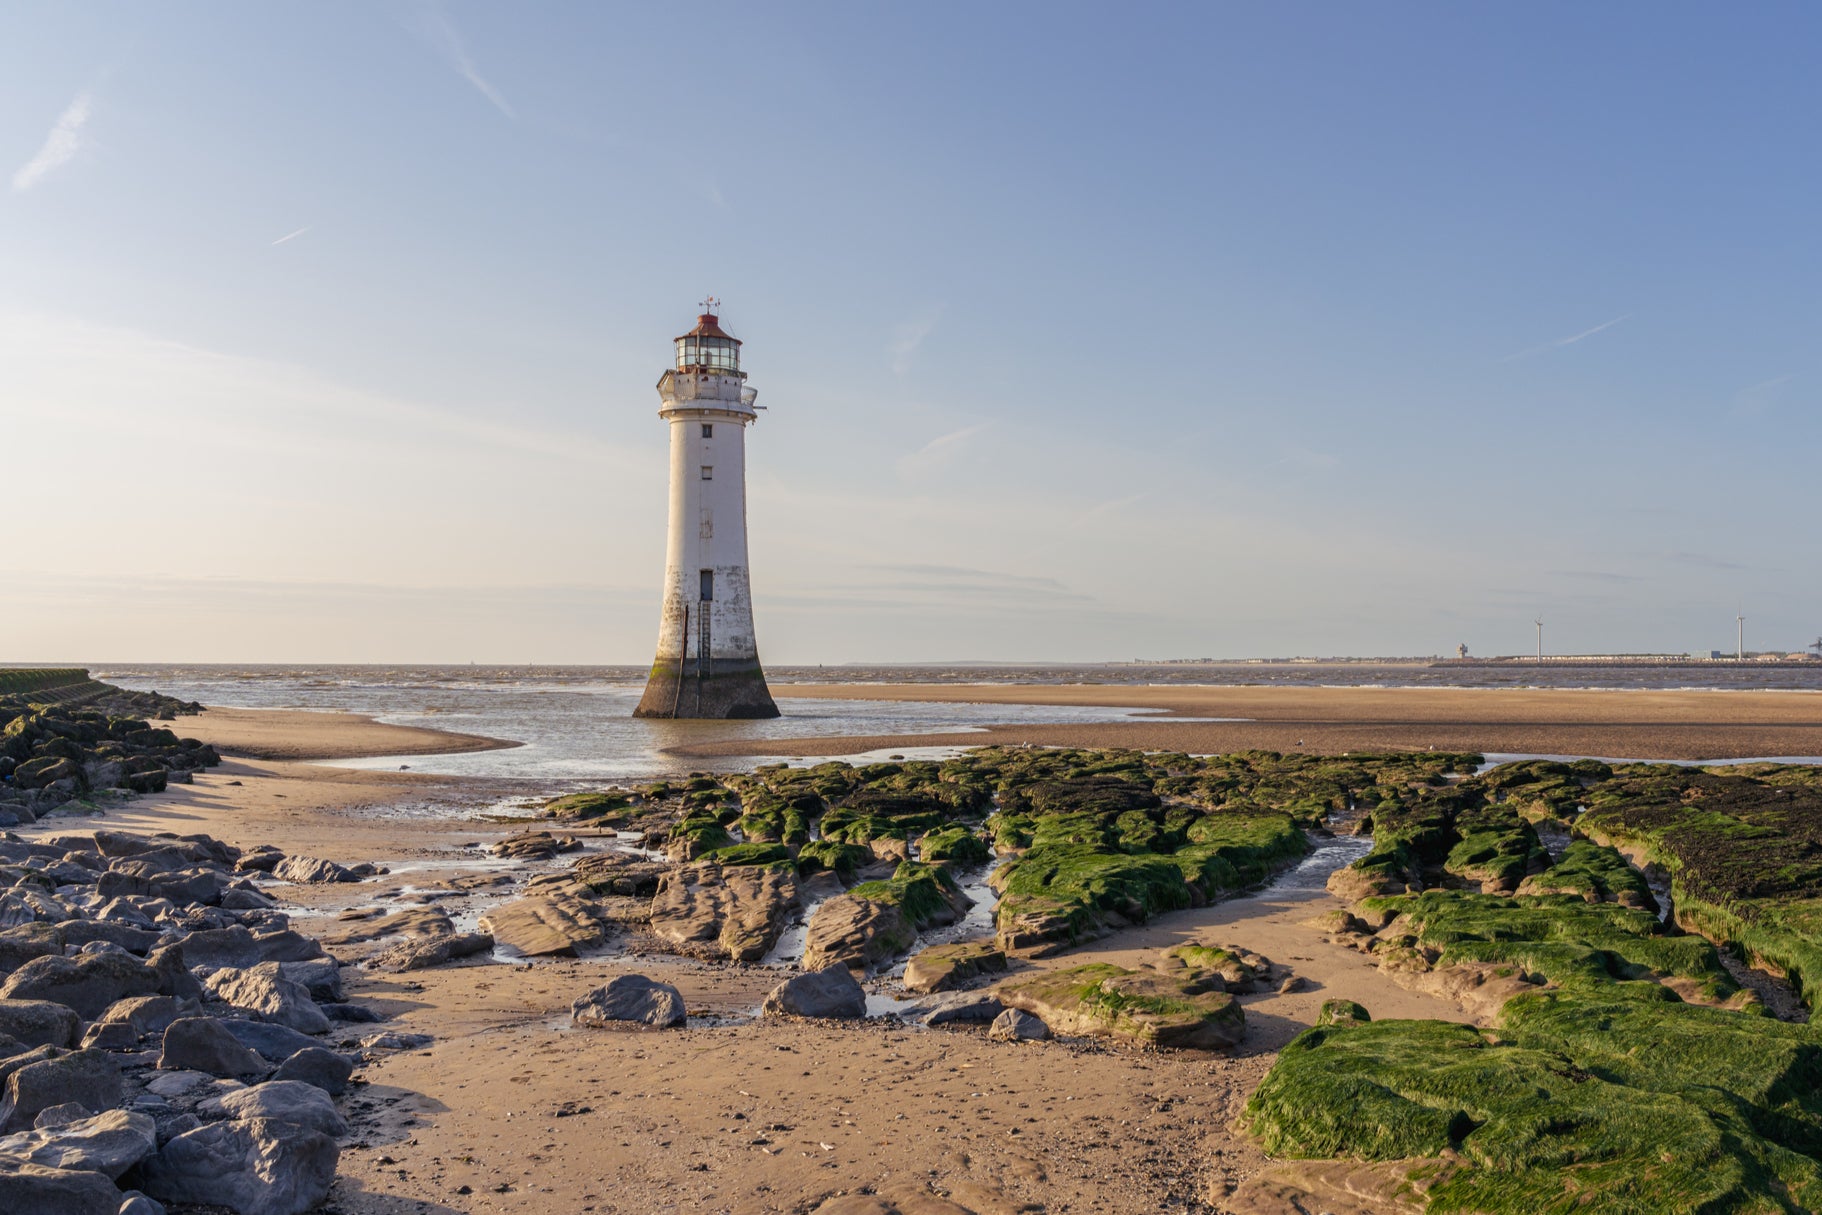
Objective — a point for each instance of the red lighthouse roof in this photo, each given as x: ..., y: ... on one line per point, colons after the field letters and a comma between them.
x: 708, y: 324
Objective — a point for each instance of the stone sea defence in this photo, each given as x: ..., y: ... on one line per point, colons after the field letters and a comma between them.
x: 68, y: 742
x: 166, y: 1036
x: 1620, y: 1065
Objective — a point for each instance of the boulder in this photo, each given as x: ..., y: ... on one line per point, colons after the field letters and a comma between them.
x: 40, y: 1191
x: 1179, y: 1008
x: 1016, y: 1025
x: 547, y: 925
x: 319, y: 1066
x: 274, y: 1042
x: 422, y: 955
x: 724, y: 911
x: 307, y: 870
x: 23, y: 942
x: 289, y: 1101
x: 87, y: 983
x: 947, y: 967
x: 110, y: 1035
x: 857, y: 933
x: 321, y: 977
x: 630, y: 1002
x: 830, y: 992
x: 264, y: 991
x: 253, y: 1167
x: 109, y: 1143
x: 90, y: 1078
x: 40, y: 1022
x: 134, y: 1203
x: 965, y: 1007
x: 146, y: 1014
x: 203, y: 1044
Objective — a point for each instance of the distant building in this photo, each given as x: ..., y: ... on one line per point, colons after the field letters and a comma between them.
x: 1461, y: 651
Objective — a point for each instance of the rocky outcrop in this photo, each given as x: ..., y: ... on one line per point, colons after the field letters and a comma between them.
x: 422, y: 955
x: 630, y: 1002
x: 947, y: 967
x: 312, y: 870
x: 724, y: 911
x: 1175, y: 1007
x: 831, y: 993
x: 546, y: 926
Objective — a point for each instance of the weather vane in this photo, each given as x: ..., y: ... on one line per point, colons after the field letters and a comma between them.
x: 710, y: 304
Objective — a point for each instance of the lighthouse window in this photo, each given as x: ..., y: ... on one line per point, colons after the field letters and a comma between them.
x: 708, y: 585
x: 708, y: 430
x: 708, y: 472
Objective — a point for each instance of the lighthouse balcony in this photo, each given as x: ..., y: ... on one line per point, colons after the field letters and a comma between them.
x: 706, y: 390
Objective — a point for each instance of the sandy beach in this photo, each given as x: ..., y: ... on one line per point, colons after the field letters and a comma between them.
x: 1510, y: 721
x: 512, y: 1110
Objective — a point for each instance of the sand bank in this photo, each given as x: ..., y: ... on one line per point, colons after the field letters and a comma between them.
x: 292, y: 734
x: 1616, y: 723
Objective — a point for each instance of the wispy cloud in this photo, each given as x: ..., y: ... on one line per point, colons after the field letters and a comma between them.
x: 444, y: 37
x: 293, y: 235
x: 60, y: 146
x: 908, y: 337
x: 937, y: 450
x: 1757, y: 398
x: 1571, y: 340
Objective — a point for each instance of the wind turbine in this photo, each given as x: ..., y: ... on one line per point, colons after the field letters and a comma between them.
x: 1540, y: 636
x: 1739, y: 654
x: 1816, y: 645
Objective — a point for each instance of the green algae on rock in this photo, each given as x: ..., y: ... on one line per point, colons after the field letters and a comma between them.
x: 1182, y: 1008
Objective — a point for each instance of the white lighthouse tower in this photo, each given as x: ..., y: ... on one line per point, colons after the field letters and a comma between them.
x: 708, y: 661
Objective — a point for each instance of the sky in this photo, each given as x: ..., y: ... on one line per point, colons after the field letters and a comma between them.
x: 328, y: 331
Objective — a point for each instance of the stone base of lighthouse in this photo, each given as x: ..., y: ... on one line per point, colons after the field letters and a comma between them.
x: 721, y: 688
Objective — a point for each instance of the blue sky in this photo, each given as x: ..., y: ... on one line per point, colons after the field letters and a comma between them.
x: 328, y: 331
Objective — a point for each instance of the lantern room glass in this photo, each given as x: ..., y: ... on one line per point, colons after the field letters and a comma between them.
x: 712, y: 353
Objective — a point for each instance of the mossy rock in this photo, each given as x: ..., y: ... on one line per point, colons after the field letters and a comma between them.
x: 1149, y: 1006
x: 749, y: 854
x: 1341, y: 1012
x: 954, y: 844
x: 601, y: 805
x: 947, y: 967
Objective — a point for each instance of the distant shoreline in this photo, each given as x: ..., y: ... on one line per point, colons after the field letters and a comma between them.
x: 1644, y: 723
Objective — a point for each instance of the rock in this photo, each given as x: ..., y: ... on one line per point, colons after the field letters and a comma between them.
x: 535, y: 846
x: 314, y: 1065
x: 168, y: 1086
x: 23, y: 942
x: 321, y: 977
x: 857, y: 933
x: 1181, y: 1008
x: 965, y: 1007
x: 203, y: 1044
x: 830, y: 992
x: 87, y: 983
x: 946, y: 967
x: 264, y: 991
x: 275, y: 1042
x: 547, y: 925
x: 241, y: 948
x: 253, y: 1166
x: 39, y: 1022
x: 279, y: 1101
x: 135, y: 1203
x: 109, y: 1143
x: 146, y: 1014
x: 89, y: 1078
x: 1341, y: 1012
x: 421, y: 955
x: 715, y: 911
x: 630, y: 1002
x: 312, y: 870
x: 236, y: 898
x: 40, y: 1191
x: 1242, y: 971
x: 1016, y: 1025
x: 110, y: 1035
x: 394, y: 1041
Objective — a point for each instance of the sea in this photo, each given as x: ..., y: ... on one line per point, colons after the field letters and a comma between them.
x: 575, y: 723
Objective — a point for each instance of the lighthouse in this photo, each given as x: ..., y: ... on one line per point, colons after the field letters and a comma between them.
x: 708, y: 660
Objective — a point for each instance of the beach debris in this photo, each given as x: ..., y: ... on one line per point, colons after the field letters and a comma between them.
x: 831, y: 992
x: 630, y: 1002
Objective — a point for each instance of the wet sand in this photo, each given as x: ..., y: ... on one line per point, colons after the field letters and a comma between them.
x: 1527, y: 721
x: 511, y: 1110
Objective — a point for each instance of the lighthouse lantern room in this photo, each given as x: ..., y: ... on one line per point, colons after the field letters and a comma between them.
x: 708, y: 660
